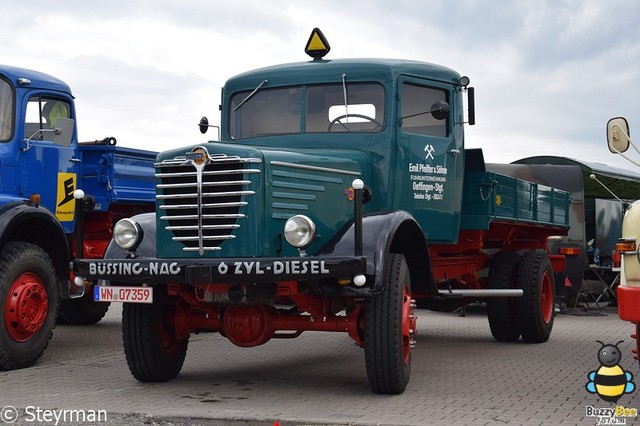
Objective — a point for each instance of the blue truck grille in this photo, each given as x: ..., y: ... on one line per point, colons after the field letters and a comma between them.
x: 201, y: 196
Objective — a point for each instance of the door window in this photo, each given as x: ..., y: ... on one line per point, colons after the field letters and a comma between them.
x: 417, y: 102
x: 42, y: 114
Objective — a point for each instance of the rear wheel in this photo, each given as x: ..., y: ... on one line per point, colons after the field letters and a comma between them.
x: 154, y: 351
x: 537, y: 308
x: 389, y: 330
x: 29, y: 301
x: 503, y: 312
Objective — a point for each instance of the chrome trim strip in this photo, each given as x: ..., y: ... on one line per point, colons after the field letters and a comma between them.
x: 316, y: 168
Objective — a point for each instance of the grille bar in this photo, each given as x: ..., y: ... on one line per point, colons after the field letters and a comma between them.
x: 216, y: 194
x: 205, y: 216
x: 195, y: 228
x: 209, y: 173
x: 195, y: 185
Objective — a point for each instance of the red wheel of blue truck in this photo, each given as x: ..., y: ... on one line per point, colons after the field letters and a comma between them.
x: 502, y: 312
x: 26, y: 307
x: 389, y: 329
x: 152, y: 347
x: 28, y: 295
x: 536, y: 313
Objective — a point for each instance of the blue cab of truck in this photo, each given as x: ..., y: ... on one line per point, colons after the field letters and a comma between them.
x: 42, y: 167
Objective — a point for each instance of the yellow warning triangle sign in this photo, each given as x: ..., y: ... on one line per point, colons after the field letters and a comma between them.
x: 317, y: 46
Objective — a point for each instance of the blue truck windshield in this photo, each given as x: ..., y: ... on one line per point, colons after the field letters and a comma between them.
x: 354, y: 107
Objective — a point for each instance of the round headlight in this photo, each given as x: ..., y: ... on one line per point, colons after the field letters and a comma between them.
x: 299, y: 231
x: 127, y: 234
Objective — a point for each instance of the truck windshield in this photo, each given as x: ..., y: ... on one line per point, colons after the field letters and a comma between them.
x: 6, y: 111
x: 307, y: 109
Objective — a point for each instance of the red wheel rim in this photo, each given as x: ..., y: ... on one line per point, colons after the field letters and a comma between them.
x: 409, y: 323
x: 546, y: 298
x: 26, y: 307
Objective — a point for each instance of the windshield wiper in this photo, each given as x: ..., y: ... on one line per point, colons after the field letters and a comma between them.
x: 344, y: 92
x: 250, y: 95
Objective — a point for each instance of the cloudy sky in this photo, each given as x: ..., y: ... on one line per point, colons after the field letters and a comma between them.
x: 548, y: 74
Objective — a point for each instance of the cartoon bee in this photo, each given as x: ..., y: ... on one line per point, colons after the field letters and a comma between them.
x: 610, y: 381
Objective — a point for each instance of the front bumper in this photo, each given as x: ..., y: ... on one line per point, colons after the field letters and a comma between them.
x: 223, y: 270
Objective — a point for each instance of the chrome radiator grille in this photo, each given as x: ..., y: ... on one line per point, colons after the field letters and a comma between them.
x: 200, y: 197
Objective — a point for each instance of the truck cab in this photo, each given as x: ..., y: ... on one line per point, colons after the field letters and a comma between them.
x: 619, y: 141
x: 42, y: 165
x: 37, y: 110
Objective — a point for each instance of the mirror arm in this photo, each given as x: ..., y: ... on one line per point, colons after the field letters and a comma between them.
x: 27, y: 143
x: 626, y: 157
x: 621, y: 130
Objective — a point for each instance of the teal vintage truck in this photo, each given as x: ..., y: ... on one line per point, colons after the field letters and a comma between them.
x: 340, y: 198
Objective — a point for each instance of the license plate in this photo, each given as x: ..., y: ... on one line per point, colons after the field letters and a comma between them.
x: 123, y: 294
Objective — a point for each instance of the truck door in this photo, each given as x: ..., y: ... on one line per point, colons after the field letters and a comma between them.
x: 46, y: 168
x: 429, y: 161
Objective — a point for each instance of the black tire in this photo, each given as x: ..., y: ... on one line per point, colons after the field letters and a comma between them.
x: 152, y: 350
x: 28, y: 303
x: 389, y: 327
x: 82, y: 311
x: 502, y: 312
x: 537, y: 307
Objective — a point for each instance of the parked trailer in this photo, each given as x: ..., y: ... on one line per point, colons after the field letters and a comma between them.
x: 340, y: 195
x: 595, y: 215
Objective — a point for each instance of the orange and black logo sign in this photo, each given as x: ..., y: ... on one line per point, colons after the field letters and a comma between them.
x: 65, y: 205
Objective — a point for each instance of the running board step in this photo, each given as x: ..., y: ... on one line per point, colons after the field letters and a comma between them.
x: 454, y: 293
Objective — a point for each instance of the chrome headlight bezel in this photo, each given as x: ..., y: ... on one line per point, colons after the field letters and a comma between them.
x: 299, y: 231
x: 127, y: 234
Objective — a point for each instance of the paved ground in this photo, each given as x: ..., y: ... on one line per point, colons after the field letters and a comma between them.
x: 460, y: 376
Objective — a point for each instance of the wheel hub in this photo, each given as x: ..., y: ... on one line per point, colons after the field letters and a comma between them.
x: 546, y: 299
x: 409, y: 323
x: 26, y: 307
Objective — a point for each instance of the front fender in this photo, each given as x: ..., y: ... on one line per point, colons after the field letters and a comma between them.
x: 147, y: 247
x: 384, y: 233
x: 25, y: 221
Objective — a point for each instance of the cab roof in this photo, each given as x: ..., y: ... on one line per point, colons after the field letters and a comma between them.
x: 327, y: 71
x: 39, y: 80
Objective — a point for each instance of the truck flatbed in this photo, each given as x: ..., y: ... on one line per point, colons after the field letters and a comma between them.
x: 490, y: 196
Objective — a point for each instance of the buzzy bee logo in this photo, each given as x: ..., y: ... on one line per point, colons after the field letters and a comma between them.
x: 610, y: 382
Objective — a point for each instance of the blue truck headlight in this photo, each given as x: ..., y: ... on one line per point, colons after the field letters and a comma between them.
x: 127, y: 234
x: 299, y: 231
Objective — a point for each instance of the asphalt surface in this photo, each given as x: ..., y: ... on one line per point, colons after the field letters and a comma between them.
x: 460, y: 376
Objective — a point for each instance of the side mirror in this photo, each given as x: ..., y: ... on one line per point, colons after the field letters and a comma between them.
x: 63, y: 133
x: 203, y: 125
x: 618, y: 137
x: 440, y: 110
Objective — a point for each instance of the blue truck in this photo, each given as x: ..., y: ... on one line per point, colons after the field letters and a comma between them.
x: 340, y: 198
x: 46, y: 175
